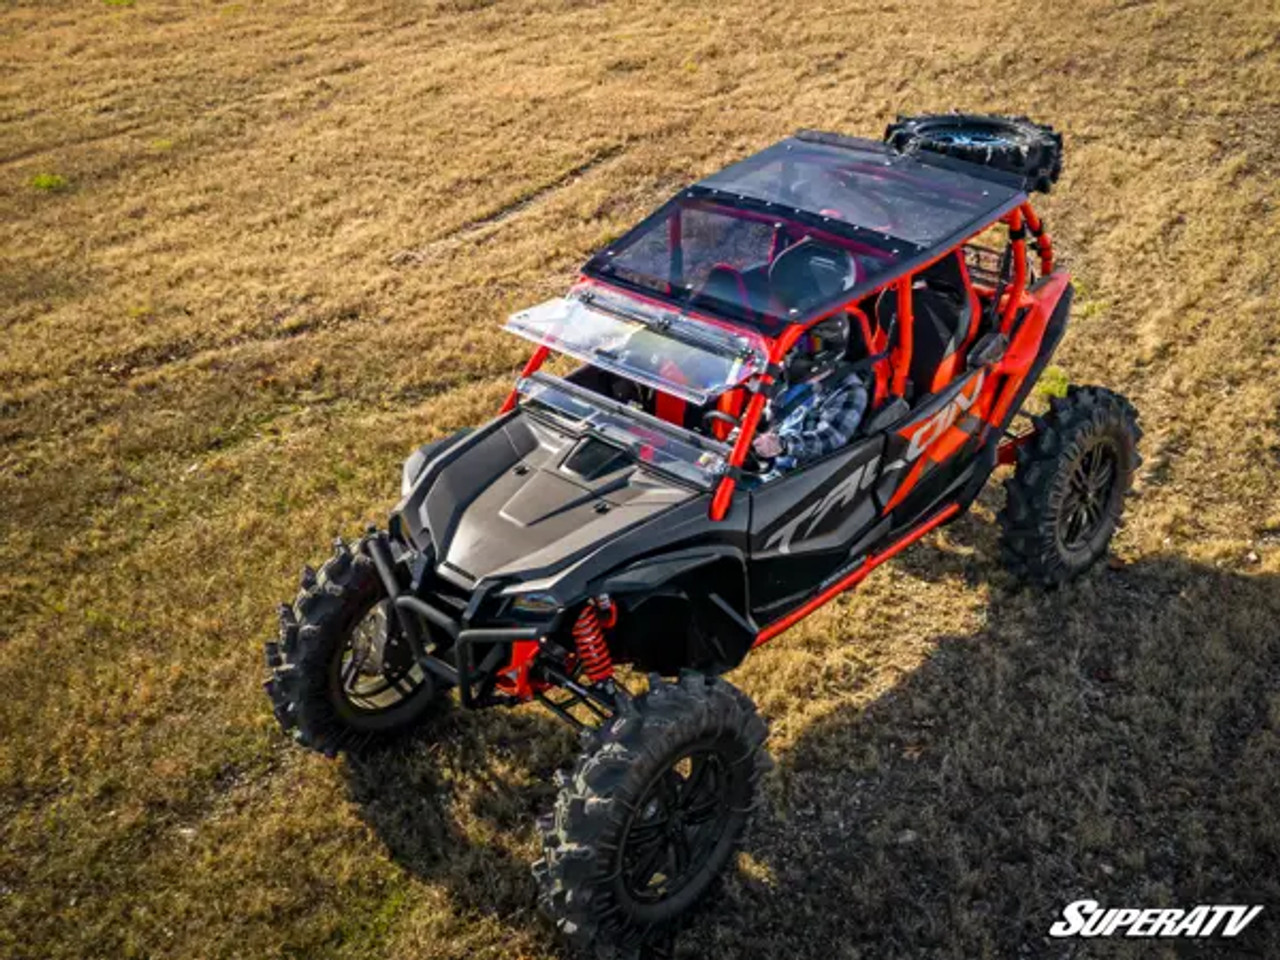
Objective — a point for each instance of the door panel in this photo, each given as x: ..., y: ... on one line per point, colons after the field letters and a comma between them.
x: 803, y: 524
x: 931, y: 446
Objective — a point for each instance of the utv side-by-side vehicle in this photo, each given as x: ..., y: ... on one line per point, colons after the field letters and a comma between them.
x: 620, y: 514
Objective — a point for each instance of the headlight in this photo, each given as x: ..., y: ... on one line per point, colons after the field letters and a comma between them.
x: 534, y: 604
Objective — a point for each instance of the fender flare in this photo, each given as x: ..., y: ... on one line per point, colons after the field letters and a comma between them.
x: 718, y: 611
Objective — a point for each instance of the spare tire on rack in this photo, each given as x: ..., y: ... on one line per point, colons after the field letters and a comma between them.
x: 1014, y: 144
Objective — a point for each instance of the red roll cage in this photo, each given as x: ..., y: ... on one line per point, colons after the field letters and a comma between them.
x: 1020, y: 220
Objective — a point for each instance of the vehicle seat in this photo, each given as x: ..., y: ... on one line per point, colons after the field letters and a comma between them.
x: 945, y: 312
x: 724, y: 284
x: 808, y: 272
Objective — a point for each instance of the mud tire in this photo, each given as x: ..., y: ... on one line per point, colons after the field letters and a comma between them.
x: 1012, y: 144
x: 581, y: 882
x: 1036, y: 541
x: 314, y: 633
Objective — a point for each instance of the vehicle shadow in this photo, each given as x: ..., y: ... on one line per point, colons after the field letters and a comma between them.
x: 457, y: 804
x: 1116, y: 740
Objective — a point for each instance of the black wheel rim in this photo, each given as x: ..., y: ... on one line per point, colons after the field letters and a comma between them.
x: 375, y: 672
x: 675, y: 827
x: 1091, y: 486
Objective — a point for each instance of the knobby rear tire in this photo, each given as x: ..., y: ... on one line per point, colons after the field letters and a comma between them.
x: 1038, y: 543
x: 1015, y: 145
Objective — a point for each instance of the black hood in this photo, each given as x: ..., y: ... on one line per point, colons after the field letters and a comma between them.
x: 523, y: 499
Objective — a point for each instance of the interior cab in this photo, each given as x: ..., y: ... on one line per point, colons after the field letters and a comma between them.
x: 948, y: 314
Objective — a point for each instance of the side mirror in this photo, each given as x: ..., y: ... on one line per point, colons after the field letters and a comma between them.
x: 988, y: 350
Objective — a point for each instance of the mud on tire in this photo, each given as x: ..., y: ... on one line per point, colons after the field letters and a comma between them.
x: 1012, y: 144
x: 679, y: 766
x: 1065, y: 498
x: 307, y: 661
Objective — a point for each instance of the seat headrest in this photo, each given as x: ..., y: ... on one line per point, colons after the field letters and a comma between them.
x: 808, y: 272
x: 724, y: 285
x: 945, y: 277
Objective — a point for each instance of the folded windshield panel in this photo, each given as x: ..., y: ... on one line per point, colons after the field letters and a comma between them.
x: 663, y: 350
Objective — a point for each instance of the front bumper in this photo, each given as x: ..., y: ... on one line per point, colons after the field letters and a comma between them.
x: 453, y: 632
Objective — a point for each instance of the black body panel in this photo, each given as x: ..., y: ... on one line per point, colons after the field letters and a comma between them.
x: 683, y: 609
x: 908, y: 444
x: 524, y: 499
x: 522, y: 506
x: 803, y: 524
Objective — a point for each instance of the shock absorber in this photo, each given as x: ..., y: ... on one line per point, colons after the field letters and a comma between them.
x: 588, y: 638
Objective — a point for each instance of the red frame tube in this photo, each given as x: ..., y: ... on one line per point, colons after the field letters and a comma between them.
x: 1043, y: 241
x: 854, y: 578
x: 534, y: 362
x: 1019, y: 272
x: 901, y: 359
x: 751, y: 419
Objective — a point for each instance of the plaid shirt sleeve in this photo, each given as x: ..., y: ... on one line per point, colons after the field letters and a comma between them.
x: 831, y: 425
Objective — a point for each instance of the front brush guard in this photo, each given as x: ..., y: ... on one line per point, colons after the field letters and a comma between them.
x: 475, y: 681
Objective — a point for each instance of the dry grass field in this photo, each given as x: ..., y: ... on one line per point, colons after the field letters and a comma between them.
x: 254, y: 252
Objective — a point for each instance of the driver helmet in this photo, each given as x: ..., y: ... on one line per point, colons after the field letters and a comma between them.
x: 819, y: 349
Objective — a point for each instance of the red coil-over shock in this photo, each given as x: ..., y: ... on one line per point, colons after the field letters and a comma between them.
x: 588, y: 637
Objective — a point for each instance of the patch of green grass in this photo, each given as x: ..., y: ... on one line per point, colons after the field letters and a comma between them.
x: 365, y: 932
x: 1087, y: 309
x: 49, y: 182
x: 119, y: 3
x: 163, y: 145
x: 1053, y: 382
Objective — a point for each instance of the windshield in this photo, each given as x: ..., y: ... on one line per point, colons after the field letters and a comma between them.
x: 660, y: 349
x: 655, y: 443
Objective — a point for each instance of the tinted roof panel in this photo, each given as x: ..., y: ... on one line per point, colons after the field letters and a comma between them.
x: 864, y: 184
x: 805, y: 225
x: 753, y: 266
